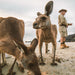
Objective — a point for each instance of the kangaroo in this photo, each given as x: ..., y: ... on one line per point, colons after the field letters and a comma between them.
x: 3, y: 60
x: 45, y: 31
x: 11, y: 42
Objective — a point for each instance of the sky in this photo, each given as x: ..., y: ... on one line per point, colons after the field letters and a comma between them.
x: 27, y: 9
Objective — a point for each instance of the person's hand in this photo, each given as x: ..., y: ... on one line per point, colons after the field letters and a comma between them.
x: 70, y: 24
x: 67, y: 26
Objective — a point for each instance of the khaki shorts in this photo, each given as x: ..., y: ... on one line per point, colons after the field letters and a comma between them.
x: 63, y: 31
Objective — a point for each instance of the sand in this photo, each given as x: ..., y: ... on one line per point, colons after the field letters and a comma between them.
x: 66, y: 67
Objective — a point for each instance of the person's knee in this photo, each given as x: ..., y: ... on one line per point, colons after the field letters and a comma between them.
x: 62, y: 38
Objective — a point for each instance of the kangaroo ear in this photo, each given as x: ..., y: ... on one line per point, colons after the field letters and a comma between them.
x: 38, y: 14
x: 34, y: 44
x: 21, y: 46
x: 49, y: 8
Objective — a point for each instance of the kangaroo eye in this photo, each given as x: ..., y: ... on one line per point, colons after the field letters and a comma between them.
x: 43, y: 18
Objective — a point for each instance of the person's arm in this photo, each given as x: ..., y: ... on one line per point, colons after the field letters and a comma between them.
x: 63, y: 20
x: 69, y: 24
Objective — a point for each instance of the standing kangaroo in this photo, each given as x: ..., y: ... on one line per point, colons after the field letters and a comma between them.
x: 45, y: 31
x: 11, y: 42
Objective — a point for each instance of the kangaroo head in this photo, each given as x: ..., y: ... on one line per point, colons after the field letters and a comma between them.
x: 43, y: 20
x: 28, y: 57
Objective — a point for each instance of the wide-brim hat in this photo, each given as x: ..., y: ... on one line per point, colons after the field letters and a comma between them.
x: 62, y: 10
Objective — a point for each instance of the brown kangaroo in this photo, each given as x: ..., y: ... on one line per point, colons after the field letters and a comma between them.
x: 2, y: 55
x: 45, y: 31
x: 11, y: 42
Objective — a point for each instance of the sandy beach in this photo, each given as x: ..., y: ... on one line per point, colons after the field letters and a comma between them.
x: 66, y: 67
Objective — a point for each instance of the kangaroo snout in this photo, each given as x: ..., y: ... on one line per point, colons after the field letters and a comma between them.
x: 35, y: 25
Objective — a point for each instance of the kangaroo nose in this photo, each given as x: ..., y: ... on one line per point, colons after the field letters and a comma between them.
x: 35, y: 24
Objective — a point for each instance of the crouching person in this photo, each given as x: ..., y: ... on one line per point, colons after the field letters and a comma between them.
x: 63, y: 25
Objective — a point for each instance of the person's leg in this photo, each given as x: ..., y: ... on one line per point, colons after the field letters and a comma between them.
x: 62, y: 43
x: 65, y: 44
x: 62, y: 40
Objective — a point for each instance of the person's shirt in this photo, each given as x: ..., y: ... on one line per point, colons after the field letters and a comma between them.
x: 62, y: 20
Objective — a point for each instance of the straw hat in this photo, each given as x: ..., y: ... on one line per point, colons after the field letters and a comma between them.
x: 62, y: 10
